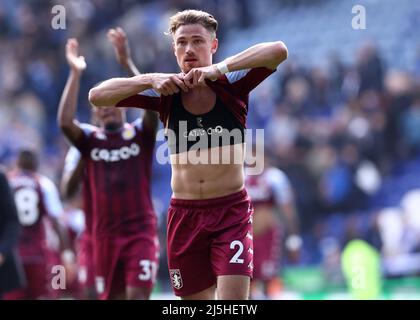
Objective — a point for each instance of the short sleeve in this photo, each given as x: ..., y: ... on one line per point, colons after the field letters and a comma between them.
x: 244, y: 81
x: 148, y: 99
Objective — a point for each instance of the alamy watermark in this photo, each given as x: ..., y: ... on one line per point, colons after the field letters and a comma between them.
x: 58, y: 20
x: 359, y: 20
x: 214, y: 146
x: 58, y: 281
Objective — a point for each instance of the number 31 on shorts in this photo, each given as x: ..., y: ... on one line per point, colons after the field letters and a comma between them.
x: 149, y: 270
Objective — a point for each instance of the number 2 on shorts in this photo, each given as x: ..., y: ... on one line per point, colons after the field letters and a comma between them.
x: 235, y: 258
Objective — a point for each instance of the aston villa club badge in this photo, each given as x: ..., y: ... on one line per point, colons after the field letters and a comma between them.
x: 128, y: 133
x: 176, y: 278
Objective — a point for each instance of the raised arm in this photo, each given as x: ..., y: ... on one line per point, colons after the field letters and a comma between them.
x: 118, y: 38
x: 266, y: 55
x: 112, y: 91
x: 68, y: 103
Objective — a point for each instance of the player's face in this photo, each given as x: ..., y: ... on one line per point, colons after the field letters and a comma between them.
x: 193, y: 46
x: 109, y: 118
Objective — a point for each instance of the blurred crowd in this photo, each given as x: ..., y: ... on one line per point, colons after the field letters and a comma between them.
x: 337, y: 131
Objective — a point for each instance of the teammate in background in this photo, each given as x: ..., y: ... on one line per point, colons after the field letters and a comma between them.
x: 11, y: 275
x: 209, y: 220
x: 74, y: 175
x: 74, y: 187
x: 274, y: 214
x: 36, y: 199
x: 118, y: 158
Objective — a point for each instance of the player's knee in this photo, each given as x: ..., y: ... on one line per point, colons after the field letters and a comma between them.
x: 233, y: 288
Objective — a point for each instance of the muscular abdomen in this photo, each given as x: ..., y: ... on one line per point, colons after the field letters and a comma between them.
x: 210, y: 174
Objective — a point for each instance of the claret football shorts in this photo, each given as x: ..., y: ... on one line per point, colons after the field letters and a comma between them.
x: 209, y: 238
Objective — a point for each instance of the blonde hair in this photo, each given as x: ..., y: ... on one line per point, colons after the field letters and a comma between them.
x: 186, y: 17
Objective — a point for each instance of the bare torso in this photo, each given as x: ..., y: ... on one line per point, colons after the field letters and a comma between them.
x: 208, y: 173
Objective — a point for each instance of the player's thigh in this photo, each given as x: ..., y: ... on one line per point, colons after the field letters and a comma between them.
x: 233, y: 287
